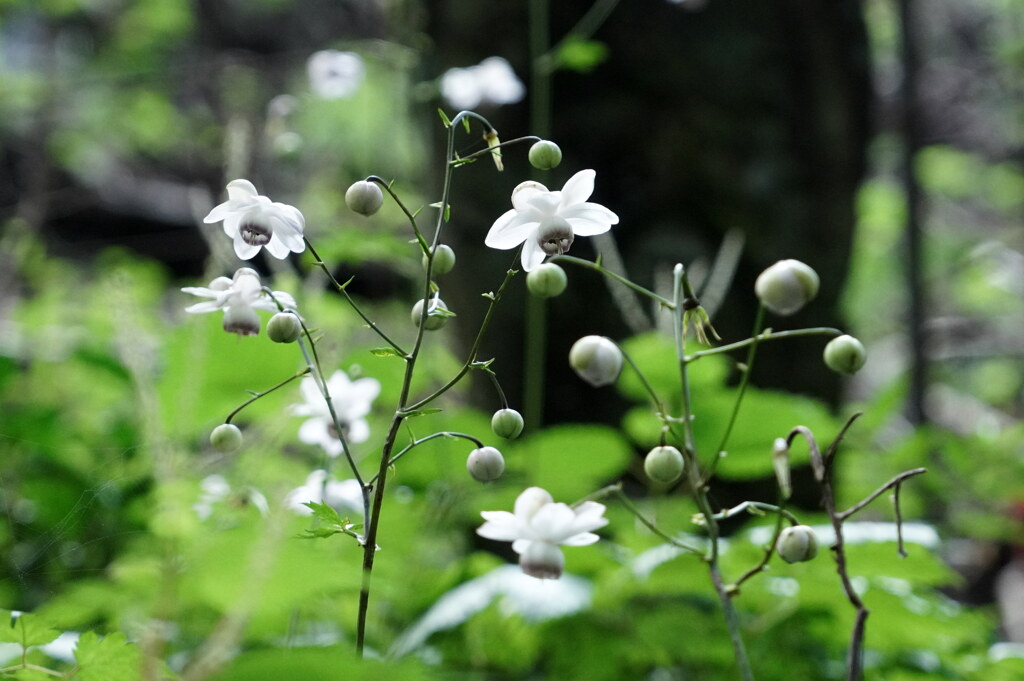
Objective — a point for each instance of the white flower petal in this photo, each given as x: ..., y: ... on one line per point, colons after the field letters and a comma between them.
x: 500, y: 526
x: 531, y: 500
x: 358, y: 431
x: 525, y: 192
x: 240, y: 190
x: 205, y: 306
x: 277, y: 248
x: 533, y: 255
x: 578, y: 188
x: 588, y: 219
x: 553, y: 522
x: 510, y: 230
x: 243, y: 250
x: 581, y: 539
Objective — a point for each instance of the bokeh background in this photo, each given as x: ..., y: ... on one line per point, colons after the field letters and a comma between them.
x: 880, y: 141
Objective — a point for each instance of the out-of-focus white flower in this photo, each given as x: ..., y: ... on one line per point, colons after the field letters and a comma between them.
x: 214, y: 489
x: 492, y: 81
x: 254, y: 221
x: 352, y: 401
x: 343, y: 495
x: 334, y: 74
x: 539, y: 526
x: 549, y: 221
x: 239, y: 297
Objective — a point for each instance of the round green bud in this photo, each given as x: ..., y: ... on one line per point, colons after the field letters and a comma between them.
x: 596, y: 359
x: 507, y: 423
x: 434, y: 321
x: 364, y: 197
x: 664, y: 464
x: 786, y: 286
x: 545, y: 155
x: 485, y: 464
x: 226, y: 438
x: 546, y: 280
x: 284, y: 327
x: 797, y: 544
x: 444, y: 260
x: 845, y: 354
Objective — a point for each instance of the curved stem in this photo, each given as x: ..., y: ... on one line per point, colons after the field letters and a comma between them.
x: 415, y: 443
x: 659, y: 406
x: 765, y: 336
x: 341, y: 288
x: 258, y: 395
x: 386, y: 186
x: 664, y: 302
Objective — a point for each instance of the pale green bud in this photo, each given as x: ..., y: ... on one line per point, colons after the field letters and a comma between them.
x: 664, y: 464
x: 845, y: 354
x: 547, y: 280
x: 284, y: 327
x: 545, y: 155
x: 436, y: 316
x: 507, y: 423
x: 786, y: 286
x: 485, y: 464
x: 226, y: 438
x: 797, y: 544
x: 596, y: 359
x: 444, y: 260
x: 364, y: 197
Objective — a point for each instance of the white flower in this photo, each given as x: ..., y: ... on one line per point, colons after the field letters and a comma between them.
x: 492, y: 81
x: 215, y: 489
x: 334, y: 74
x: 239, y: 297
x: 343, y: 495
x: 539, y: 525
x: 254, y: 221
x: 548, y: 221
x: 352, y: 401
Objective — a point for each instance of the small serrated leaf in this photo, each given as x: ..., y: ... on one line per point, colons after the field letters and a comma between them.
x: 111, y: 657
x: 26, y: 630
x: 324, y: 513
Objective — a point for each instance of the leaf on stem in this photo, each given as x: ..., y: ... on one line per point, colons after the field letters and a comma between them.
x: 444, y: 118
x: 386, y: 352
x: 330, y: 523
x: 26, y: 630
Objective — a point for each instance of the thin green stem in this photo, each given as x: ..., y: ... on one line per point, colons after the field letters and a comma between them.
x: 756, y: 508
x: 664, y: 302
x: 740, y: 392
x: 341, y: 288
x: 408, y: 214
x: 765, y: 559
x: 462, y: 160
x: 428, y: 438
x: 615, y: 490
x: 258, y: 395
x: 658, y: 404
x: 765, y: 336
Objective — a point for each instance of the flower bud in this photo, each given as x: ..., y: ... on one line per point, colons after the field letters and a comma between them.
x: 664, y: 464
x: 436, y: 314
x: 485, y: 464
x: 364, y: 197
x: 226, y: 438
x: 546, y: 280
x: 797, y: 544
x: 596, y: 359
x: 845, y: 354
x: 444, y: 260
x: 545, y: 155
x: 786, y: 286
x: 284, y: 327
x: 507, y: 423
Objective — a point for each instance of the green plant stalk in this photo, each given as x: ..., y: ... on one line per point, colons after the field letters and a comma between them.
x: 403, y: 410
x: 698, y: 484
x: 433, y: 436
x: 765, y: 336
x: 664, y: 302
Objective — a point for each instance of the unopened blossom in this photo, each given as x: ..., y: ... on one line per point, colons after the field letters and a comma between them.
x: 539, y: 526
x: 239, y: 298
x: 342, y: 495
x: 548, y: 221
x: 491, y: 82
x: 352, y: 401
x: 253, y: 221
x: 334, y: 74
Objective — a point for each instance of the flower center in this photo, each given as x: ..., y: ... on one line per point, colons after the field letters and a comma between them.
x: 555, y: 236
x: 254, y: 233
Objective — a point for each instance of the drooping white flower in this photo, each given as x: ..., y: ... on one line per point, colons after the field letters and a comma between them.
x: 254, y: 221
x: 352, y: 401
x: 343, y: 495
x: 491, y: 82
x: 239, y: 297
x: 549, y: 221
x: 539, y: 526
x: 334, y: 74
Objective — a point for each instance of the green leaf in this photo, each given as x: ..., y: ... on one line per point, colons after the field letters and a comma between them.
x: 111, y: 657
x: 582, y: 56
x: 324, y: 513
x: 465, y: 123
x: 27, y: 630
x: 385, y: 352
x: 422, y: 412
x: 444, y: 118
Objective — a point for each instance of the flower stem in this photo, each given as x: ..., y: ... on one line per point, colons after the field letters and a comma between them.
x: 664, y: 302
x: 766, y: 335
x: 428, y: 438
x: 258, y: 395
